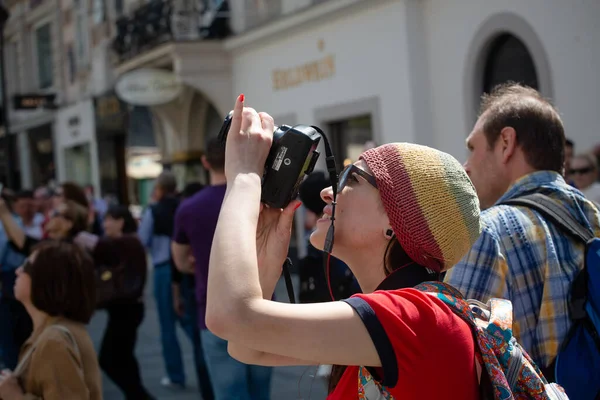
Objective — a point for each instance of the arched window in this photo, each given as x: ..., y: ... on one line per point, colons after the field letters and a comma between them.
x: 509, y: 60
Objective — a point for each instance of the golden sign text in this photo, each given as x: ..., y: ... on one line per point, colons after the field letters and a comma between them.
x: 310, y: 72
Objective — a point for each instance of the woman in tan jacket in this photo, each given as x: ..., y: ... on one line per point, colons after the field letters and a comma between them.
x: 57, y: 287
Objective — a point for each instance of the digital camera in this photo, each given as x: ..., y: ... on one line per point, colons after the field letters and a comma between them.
x: 293, y: 155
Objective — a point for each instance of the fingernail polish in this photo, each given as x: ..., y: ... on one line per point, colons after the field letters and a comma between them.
x: 242, y: 97
x: 297, y: 206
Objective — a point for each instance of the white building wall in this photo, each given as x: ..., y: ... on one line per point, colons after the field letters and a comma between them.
x: 369, y: 46
x: 564, y: 32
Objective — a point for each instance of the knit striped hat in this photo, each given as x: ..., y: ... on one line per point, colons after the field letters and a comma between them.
x: 431, y: 203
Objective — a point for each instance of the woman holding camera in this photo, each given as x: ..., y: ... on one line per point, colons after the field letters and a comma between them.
x: 404, y: 214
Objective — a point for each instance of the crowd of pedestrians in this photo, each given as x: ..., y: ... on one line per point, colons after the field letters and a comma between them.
x: 410, y: 221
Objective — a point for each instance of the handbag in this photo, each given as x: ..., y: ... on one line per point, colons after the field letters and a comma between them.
x: 110, y: 285
x: 120, y: 271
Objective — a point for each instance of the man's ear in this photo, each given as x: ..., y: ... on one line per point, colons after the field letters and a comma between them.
x: 508, y: 142
x: 205, y: 163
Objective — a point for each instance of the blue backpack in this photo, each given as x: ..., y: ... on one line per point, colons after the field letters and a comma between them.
x: 577, y: 365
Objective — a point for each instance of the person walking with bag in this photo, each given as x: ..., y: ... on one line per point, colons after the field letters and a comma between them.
x: 57, y: 287
x: 121, y: 248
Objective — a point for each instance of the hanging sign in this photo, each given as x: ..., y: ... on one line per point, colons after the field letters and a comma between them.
x: 148, y: 87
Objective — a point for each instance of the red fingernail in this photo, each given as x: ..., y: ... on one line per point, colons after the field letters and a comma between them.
x: 241, y: 97
x: 297, y: 206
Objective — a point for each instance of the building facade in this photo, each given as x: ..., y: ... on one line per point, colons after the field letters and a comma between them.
x: 363, y: 70
x: 414, y: 70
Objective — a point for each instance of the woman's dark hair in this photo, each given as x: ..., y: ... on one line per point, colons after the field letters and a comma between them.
x: 74, y: 192
x: 63, y: 281
x: 122, y: 212
x: 394, y: 258
x: 78, y: 215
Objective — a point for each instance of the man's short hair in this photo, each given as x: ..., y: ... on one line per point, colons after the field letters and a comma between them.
x: 167, y: 182
x: 215, y: 154
x: 24, y: 194
x: 63, y: 281
x: 538, y: 126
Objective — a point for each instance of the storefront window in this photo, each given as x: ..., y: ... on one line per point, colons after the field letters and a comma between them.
x: 42, y: 155
x: 349, y: 137
x: 78, y: 164
x: 16, y: 170
x: 111, y: 116
x: 43, y: 37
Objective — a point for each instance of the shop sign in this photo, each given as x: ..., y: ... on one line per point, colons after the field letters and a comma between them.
x: 148, y: 87
x: 34, y: 101
x: 313, y: 71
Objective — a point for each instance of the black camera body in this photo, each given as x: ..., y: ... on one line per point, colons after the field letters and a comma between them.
x: 293, y: 155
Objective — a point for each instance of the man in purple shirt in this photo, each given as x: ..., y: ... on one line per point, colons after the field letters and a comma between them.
x: 195, y: 224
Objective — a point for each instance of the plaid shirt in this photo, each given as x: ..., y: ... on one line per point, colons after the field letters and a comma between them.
x: 521, y: 257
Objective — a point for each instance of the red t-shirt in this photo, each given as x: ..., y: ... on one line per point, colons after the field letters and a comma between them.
x: 426, y: 351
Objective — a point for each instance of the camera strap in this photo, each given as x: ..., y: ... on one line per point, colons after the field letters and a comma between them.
x: 333, y: 178
x: 329, y: 238
x: 288, y: 280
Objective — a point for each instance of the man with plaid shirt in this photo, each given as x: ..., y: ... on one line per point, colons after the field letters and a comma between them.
x: 517, y: 148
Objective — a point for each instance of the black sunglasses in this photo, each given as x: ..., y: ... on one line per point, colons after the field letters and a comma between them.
x: 581, y: 171
x: 349, y: 171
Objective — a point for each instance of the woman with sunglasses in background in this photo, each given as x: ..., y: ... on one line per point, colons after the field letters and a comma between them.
x: 57, y: 287
x: 404, y: 214
x: 72, y: 191
x: 584, y: 172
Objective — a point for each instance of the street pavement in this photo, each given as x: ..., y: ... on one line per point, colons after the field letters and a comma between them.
x: 288, y: 383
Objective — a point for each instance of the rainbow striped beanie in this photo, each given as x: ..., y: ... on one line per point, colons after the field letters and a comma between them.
x: 431, y: 203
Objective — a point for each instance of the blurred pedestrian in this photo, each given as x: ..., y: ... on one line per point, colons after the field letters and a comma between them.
x: 155, y: 231
x: 121, y: 248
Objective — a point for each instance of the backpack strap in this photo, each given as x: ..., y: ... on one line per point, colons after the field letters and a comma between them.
x: 70, y: 336
x: 563, y: 219
x: 451, y: 297
x: 555, y: 213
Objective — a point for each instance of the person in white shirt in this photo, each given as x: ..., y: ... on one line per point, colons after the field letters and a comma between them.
x: 29, y: 219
